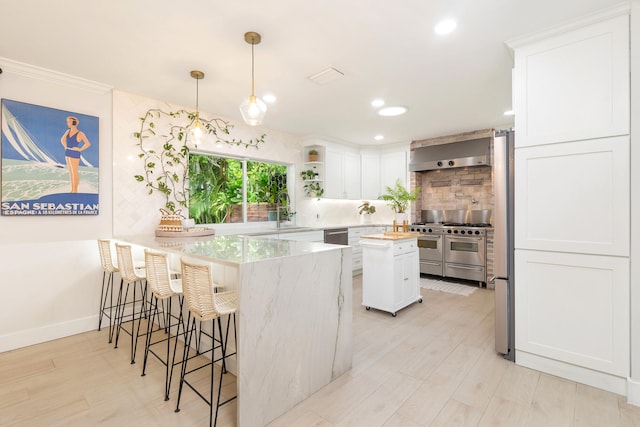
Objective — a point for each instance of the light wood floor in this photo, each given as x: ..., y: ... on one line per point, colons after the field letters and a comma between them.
x: 432, y: 365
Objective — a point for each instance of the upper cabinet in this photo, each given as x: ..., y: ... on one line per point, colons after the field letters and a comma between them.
x: 393, y: 167
x: 342, y: 179
x: 371, y: 181
x: 573, y: 86
x: 347, y: 173
x: 574, y: 197
x: 382, y: 170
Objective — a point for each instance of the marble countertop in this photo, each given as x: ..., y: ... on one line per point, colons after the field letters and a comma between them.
x: 392, y: 235
x: 233, y: 249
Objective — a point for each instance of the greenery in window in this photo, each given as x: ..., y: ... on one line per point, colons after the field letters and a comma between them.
x: 166, y: 164
x: 215, y: 189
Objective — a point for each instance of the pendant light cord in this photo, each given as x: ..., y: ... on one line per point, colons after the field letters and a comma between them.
x: 252, y: 92
x: 197, y: 97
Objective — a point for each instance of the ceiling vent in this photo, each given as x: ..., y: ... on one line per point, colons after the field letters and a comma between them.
x: 325, y: 76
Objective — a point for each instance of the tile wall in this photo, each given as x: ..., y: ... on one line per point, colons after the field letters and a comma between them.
x: 455, y: 188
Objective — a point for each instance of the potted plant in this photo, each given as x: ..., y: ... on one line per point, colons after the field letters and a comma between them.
x: 313, y: 189
x: 366, y: 208
x: 398, y: 198
x: 309, y: 175
x: 313, y: 155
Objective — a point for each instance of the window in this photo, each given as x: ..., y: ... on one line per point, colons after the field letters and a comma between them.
x: 219, y: 192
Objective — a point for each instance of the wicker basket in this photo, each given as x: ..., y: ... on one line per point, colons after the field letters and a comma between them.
x: 170, y: 221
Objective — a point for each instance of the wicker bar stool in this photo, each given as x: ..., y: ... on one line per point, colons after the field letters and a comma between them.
x: 131, y: 277
x: 205, y: 304
x: 106, y: 293
x: 163, y: 290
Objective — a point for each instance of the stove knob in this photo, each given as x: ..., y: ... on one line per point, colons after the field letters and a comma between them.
x: 462, y: 232
x: 477, y: 232
x: 439, y: 164
x: 455, y: 231
x: 450, y: 162
x: 430, y: 230
x: 449, y: 231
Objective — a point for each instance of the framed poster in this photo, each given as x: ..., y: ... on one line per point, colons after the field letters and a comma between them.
x: 49, y: 161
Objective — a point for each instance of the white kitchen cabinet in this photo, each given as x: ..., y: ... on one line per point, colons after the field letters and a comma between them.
x: 572, y: 185
x: 390, y: 274
x: 574, y: 197
x: 393, y: 166
x: 356, y: 249
x: 354, y: 241
x: 382, y: 170
x: 352, y: 176
x: 573, y: 309
x: 371, y: 176
x: 573, y: 86
x: 342, y: 174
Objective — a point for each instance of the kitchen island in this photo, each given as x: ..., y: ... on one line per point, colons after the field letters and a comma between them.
x: 390, y: 271
x: 294, y: 314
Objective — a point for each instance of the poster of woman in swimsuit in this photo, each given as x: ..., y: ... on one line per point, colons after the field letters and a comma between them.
x: 49, y: 161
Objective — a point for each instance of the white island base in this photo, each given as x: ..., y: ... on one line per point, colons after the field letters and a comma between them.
x: 390, y: 271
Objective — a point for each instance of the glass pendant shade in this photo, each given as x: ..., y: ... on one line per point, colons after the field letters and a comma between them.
x: 196, y: 131
x: 253, y: 110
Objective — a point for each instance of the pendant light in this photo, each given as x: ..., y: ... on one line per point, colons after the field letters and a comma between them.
x: 253, y: 109
x: 196, y: 130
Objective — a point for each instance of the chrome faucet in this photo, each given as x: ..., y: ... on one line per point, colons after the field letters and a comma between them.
x: 283, y: 195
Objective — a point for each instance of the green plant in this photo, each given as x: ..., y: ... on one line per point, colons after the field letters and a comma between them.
x: 367, y: 208
x: 286, y: 214
x: 313, y: 152
x: 398, y: 197
x: 313, y: 189
x: 308, y: 174
x: 166, y: 168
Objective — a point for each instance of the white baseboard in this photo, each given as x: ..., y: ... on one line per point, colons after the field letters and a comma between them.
x: 575, y: 373
x: 47, y: 333
x: 633, y: 392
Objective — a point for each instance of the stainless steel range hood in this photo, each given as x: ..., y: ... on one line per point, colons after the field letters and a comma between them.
x: 475, y: 152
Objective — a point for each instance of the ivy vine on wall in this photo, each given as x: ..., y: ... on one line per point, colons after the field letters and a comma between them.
x: 166, y: 166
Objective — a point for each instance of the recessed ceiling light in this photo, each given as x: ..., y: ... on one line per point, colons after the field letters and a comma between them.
x: 377, y: 102
x: 378, y: 137
x: 396, y: 110
x: 509, y: 113
x: 445, y: 27
x: 269, y: 98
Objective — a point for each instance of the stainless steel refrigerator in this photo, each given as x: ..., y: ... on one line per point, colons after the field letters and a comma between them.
x: 503, y: 249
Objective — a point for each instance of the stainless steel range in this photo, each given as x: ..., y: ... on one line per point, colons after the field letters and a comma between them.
x: 430, y: 247
x: 453, y: 250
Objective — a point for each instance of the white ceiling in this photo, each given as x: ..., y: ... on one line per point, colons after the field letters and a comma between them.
x: 386, y: 49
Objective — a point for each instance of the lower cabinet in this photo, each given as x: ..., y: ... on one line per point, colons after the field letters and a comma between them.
x: 572, y: 310
x: 390, y: 274
x: 354, y: 242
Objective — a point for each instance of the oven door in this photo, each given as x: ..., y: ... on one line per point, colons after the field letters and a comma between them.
x: 430, y: 253
x: 465, y: 250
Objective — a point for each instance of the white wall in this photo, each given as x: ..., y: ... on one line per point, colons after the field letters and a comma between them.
x: 135, y: 211
x: 50, y: 265
x: 634, y: 382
